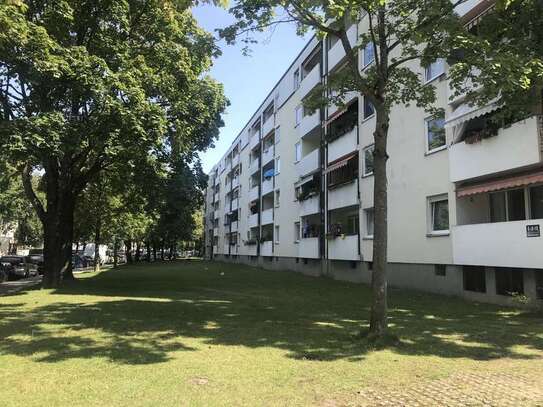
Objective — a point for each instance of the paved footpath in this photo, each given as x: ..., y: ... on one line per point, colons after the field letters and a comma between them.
x: 11, y: 287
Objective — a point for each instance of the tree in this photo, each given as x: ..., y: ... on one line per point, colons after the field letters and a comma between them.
x: 403, y: 35
x: 88, y: 85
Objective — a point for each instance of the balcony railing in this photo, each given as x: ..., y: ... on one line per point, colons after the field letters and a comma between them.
x: 309, y: 248
x: 343, y: 145
x: 266, y: 248
x: 267, y: 217
x: 310, y: 206
x: 309, y: 123
x: 267, y: 186
x: 503, y: 244
x: 253, y: 220
x: 254, y: 141
x: 311, y: 80
x: 514, y: 147
x: 253, y: 194
x: 332, y: 109
x: 343, y: 196
x: 343, y: 248
x: 309, y: 163
x: 337, y: 52
x: 267, y: 155
x: 268, y: 126
x: 254, y: 166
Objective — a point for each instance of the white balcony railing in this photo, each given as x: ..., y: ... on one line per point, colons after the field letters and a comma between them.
x: 253, y: 220
x: 332, y: 109
x: 266, y: 248
x: 309, y: 248
x: 235, y: 160
x: 343, y: 196
x: 234, y: 226
x: 267, y: 217
x: 343, y: 248
x: 268, y: 126
x: 308, y: 164
x: 254, y: 166
x: 234, y: 204
x: 215, y: 231
x: 311, y: 80
x: 254, y: 141
x: 337, y: 52
x: 253, y: 194
x: 250, y: 250
x: 267, y: 186
x: 235, y: 182
x: 216, y: 197
x: 217, y: 181
x: 309, y: 123
x: 343, y: 145
x: 310, y: 206
x: 513, y: 147
x: 503, y: 244
x: 216, y: 249
x: 267, y: 155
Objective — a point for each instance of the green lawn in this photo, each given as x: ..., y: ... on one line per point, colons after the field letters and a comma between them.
x: 185, y: 334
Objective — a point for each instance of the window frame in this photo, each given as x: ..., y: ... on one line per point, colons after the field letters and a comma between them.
x: 297, y: 148
x: 365, y: 63
x: 276, y: 234
x: 427, y: 122
x: 431, y: 201
x: 369, y: 214
x: 441, y: 61
x: 364, y: 117
x: 296, y: 80
x: 298, y: 118
x: 366, y: 149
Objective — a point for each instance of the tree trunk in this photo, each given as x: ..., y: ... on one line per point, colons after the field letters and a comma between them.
x: 154, y: 251
x: 162, y: 251
x: 138, y: 251
x: 115, y: 248
x: 128, y: 251
x: 97, y: 240
x: 148, y: 248
x: 170, y: 255
x: 378, y: 318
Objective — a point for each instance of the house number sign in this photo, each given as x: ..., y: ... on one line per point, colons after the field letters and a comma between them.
x: 533, y: 231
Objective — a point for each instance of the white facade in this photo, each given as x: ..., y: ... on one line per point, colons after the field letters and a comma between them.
x: 304, y: 190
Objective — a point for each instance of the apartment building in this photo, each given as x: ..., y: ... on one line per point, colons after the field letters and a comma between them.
x: 295, y: 189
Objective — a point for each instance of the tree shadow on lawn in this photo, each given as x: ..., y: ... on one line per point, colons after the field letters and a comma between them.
x: 145, y: 329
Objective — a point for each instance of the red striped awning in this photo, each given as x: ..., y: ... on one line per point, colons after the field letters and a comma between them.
x: 342, y: 162
x: 501, y: 184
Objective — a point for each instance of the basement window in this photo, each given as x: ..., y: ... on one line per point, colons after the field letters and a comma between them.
x: 440, y: 270
x: 509, y: 281
x: 474, y: 279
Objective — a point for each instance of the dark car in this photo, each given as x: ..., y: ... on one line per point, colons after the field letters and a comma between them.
x: 37, y: 261
x: 3, y: 274
x: 78, y: 261
x: 16, y: 266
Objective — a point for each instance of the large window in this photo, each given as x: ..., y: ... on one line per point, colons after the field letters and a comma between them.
x: 368, y: 160
x: 434, y: 70
x: 369, y: 110
x: 509, y: 281
x: 539, y: 284
x: 439, y: 214
x: 435, y: 134
x: 507, y: 206
x: 369, y: 54
x: 353, y: 225
x: 474, y: 279
x: 536, y: 202
x: 299, y: 112
x: 296, y: 231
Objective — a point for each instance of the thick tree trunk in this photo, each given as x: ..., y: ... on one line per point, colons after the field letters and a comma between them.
x: 138, y: 251
x: 378, y: 318
x: 128, y: 251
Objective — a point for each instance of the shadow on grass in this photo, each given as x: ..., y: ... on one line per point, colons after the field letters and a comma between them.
x: 141, y: 315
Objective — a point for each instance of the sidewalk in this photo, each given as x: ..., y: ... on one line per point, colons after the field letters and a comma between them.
x: 11, y: 287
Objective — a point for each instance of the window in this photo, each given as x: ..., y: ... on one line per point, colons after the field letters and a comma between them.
x: 277, y: 198
x: 353, y: 223
x: 368, y: 160
x: 474, y: 279
x: 440, y: 270
x: 297, y: 152
x: 370, y: 265
x: 539, y: 284
x: 369, y: 54
x: 369, y: 222
x: 277, y: 234
x: 369, y: 110
x: 536, y: 202
x: 296, y: 79
x: 299, y: 112
x: 435, y: 69
x: 509, y: 281
x: 277, y: 165
x: 435, y: 134
x: 439, y: 214
x: 507, y: 206
x: 296, y: 231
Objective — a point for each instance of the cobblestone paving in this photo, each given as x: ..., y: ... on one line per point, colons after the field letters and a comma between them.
x: 471, y: 389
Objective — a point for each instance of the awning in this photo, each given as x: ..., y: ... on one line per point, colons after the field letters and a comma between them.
x: 465, y: 113
x: 304, y: 181
x: 342, y: 162
x: 501, y: 184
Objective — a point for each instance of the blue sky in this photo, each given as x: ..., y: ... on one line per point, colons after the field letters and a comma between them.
x: 247, y: 80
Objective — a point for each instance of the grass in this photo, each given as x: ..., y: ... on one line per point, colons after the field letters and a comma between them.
x: 183, y: 333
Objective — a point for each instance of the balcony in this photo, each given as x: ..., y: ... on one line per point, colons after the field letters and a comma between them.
x: 311, y: 80
x: 267, y: 217
x: 234, y: 204
x: 267, y: 186
x: 309, y: 248
x: 253, y: 194
x: 234, y: 226
x: 217, y: 181
x: 254, y: 141
x: 310, y: 206
x: 253, y: 220
x: 226, y: 248
x: 235, y: 160
x: 216, y: 231
x: 268, y: 126
x: 251, y: 250
x: 215, y: 249
x: 343, y: 196
x: 228, y: 166
x: 235, y: 182
x: 266, y: 248
x: 216, y: 197
x: 254, y: 166
x: 309, y: 123
x: 343, y: 248
x: 267, y: 155
x: 337, y: 52
x: 514, y: 147
x: 343, y: 145
x: 332, y: 109
x: 503, y: 244
x: 308, y: 164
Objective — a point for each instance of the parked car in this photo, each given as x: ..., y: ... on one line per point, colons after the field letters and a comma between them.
x: 16, y: 266
x: 37, y: 261
x: 78, y: 261
x: 3, y: 274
